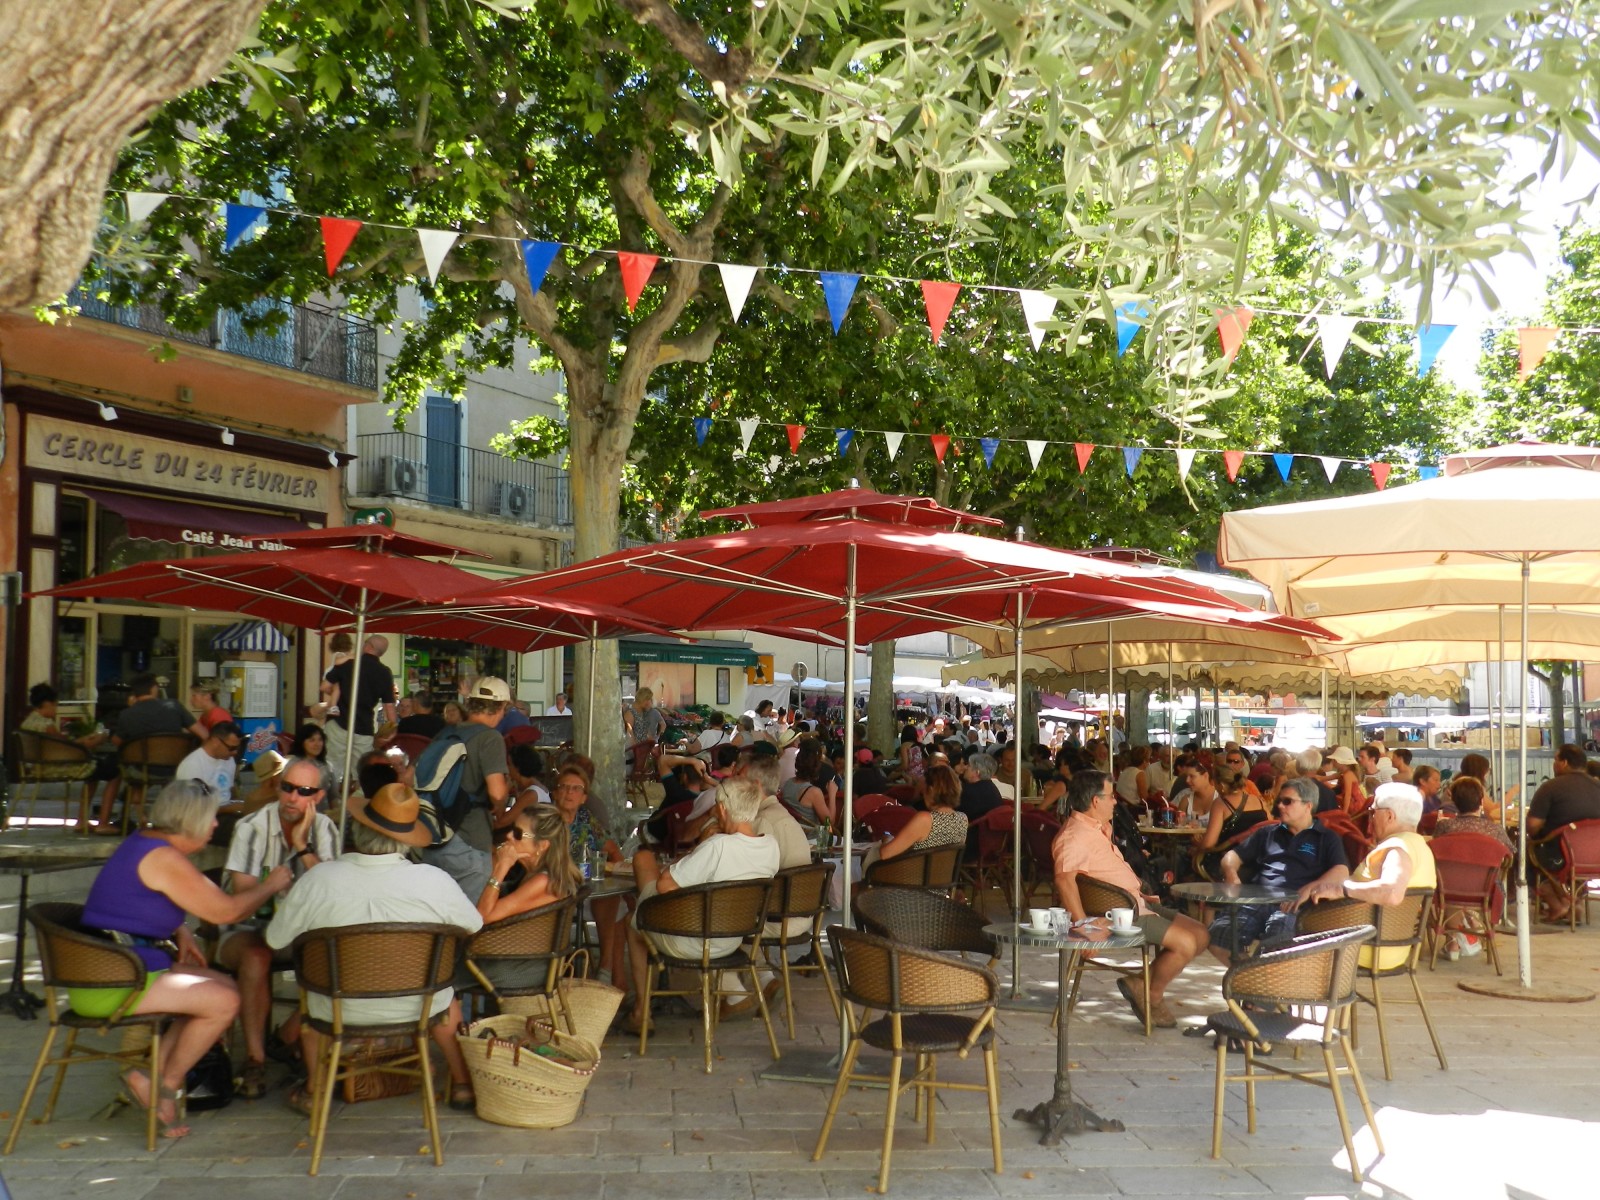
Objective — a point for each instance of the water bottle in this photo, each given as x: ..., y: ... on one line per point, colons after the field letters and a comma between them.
x: 585, y: 863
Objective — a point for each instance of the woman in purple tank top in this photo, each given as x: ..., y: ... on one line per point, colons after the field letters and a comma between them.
x: 141, y: 898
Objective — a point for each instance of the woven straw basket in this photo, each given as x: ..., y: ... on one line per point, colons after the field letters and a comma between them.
x: 521, y: 1088
x: 593, y: 1006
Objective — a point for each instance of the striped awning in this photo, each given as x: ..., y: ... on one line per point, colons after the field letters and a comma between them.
x: 251, y: 635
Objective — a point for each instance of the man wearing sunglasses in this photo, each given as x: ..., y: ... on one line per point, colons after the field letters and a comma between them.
x: 291, y: 831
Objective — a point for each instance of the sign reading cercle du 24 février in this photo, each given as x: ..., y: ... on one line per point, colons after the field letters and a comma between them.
x: 116, y: 456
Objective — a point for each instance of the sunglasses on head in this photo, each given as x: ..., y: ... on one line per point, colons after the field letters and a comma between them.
x: 298, y: 789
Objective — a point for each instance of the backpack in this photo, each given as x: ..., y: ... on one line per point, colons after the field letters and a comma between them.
x: 440, y: 768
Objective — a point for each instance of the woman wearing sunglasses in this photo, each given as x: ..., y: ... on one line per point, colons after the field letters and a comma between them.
x: 539, y: 845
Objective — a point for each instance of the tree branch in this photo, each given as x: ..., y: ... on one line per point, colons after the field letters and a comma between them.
x: 730, y: 67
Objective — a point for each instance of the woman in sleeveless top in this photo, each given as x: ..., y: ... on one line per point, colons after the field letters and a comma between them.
x: 804, y: 795
x: 140, y: 899
x: 1230, y: 810
x: 939, y: 825
x: 1132, y: 783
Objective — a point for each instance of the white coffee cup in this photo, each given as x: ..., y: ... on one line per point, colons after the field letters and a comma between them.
x: 1039, y: 919
x: 1121, y: 919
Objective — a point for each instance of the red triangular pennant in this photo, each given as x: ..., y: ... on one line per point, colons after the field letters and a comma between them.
x: 1380, y: 473
x: 795, y: 432
x: 636, y: 269
x: 938, y: 299
x: 337, y: 234
x: 1084, y: 449
x: 1231, y: 327
x: 1233, y: 460
x: 941, y: 443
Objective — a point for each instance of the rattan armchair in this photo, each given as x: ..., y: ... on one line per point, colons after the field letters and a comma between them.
x: 149, y: 760
x: 1397, y: 926
x: 933, y: 869
x: 925, y: 920
x: 398, y: 961
x: 540, y: 938
x: 798, y: 894
x: 932, y: 1005
x: 41, y: 758
x: 1315, y: 971
x: 71, y: 956
x: 1098, y: 899
x: 699, y: 915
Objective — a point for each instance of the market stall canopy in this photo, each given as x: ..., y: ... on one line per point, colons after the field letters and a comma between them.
x: 251, y: 635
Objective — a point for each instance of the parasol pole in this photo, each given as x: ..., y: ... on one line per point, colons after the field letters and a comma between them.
x: 847, y: 816
x: 1499, y: 745
x: 1016, y: 791
x: 1524, y: 936
x: 594, y: 650
x: 351, y: 711
x: 1324, y: 706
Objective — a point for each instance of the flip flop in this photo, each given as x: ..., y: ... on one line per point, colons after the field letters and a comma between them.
x: 170, y: 1130
x: 1135, y: 1001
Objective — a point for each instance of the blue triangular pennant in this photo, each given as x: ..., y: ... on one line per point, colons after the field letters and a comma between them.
x: 1130, y: 458
x: 702, y: 426
x: 1127, y: 326
x: 837, y: 288
x: 1427, y: 472
x: 1431, y: 340
x: 1285, y: 462
x: 843, y: 436
x: 538, y: 256
x: 989, y: 445
x: 237, y: 220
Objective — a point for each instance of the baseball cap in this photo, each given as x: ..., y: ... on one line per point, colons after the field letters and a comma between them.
x: 864, y: 756
x: 490, y: 688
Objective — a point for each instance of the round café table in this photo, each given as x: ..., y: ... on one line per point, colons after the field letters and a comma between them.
x: 1062, y: 1114
x: 1233, y: 895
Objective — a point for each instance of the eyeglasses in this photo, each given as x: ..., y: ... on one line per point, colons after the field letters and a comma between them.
x: 569, y: 787
x: 231, y: 747
x: 298, y: 789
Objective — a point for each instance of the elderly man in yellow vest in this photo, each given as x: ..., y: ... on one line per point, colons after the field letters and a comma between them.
x: 1399, y: 860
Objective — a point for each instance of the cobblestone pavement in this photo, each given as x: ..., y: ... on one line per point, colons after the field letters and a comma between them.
x: 1510, y: 1118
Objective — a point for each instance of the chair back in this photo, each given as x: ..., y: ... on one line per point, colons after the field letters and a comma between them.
x: 935, y: 868
x: 708, y: 910
x: 889, y: 818
x: 680, y: 830
x: 995, y: 833
x: 72, y: 956
x: 1314, y: 968
x: 878, y: 973
x: 800, y: 891
x: 871, y: 802
x: 384, y: 960
x: 1393, y: 924
x: 36, y: 749
x: 1356, y: 843
x: 923, y: 919
x: 1467, y: 866
x: 159, y: 750
x: 902, y: 793
x: 410, y: 744
x: 1039, y: 831
x: 543, y: 932
x: 1580, y: 846
x: 1100, y: 897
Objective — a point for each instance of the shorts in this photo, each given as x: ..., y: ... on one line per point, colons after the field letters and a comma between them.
x: 1251, y: 923
x: 101, y: 1002
x: 1155, y: 923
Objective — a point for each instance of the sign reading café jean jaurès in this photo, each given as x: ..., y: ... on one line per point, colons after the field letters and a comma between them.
x: 111, y: 455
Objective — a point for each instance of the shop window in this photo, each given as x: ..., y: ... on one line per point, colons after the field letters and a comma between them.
x: 114, y: 548
x: 72, y: 524
x: 71, y: 675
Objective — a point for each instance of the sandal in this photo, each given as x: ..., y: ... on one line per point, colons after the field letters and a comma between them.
x: 462, y: 1098
x: 252, y: 1083
x: 170, y: 1129
x: 299, y: 1100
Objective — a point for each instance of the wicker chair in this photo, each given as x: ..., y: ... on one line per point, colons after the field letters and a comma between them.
x: 42, y: 758
x: 539, y: 937
x: 799, y: 893
x: 932, y: 1005
x: 1468, y: 866
x: 1098, y: 899
x: 933, y: 869
x: 382, y: 961
x: 149, y: 760
x: 925, y: 920
x: 1579, y: 843
x: 702, y: 912
x: 1397, y: 925
x: 1318, y: 971
x: 73, y: 957
x: 994, y: 842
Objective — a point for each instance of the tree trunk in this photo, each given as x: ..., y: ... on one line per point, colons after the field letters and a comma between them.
x: 882, y: 732
x: 75, y: 80
x: 1558, y: 702
x: 1138, y: 726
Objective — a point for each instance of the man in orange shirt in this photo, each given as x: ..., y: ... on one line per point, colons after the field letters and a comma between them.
x: 1084, y: 846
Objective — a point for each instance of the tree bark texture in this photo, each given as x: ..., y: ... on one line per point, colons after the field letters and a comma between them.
x: 883, y: 731
x: 76, y: 79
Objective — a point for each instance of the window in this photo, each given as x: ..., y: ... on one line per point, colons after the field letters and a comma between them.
x: 115, y: 548
x: 72, y: 562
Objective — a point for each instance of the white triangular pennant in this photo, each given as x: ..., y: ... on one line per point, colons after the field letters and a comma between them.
x: 1335, y: 333
x: 1036, y: 451
x: 436, y: 244
x: 1037, y: 308
x: 142, y: 204
x: 1185, y: 461
x: 1330, y: 465
x: 747, y: 430
x: 894, y: 440
x: 736, y: 281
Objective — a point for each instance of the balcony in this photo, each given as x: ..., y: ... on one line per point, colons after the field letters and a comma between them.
x: 313, y: 339
x: 448, y: 475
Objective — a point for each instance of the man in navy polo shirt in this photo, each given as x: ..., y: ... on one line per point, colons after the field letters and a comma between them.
x: 1297, y: 852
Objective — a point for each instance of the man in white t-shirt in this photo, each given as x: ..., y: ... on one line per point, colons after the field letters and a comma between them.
x: 559, y: 708
x: 212, y: 762
x: 738, y: 852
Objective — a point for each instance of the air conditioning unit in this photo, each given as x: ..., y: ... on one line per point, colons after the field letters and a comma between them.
x: 405, y: 477
x: 514, y: 500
